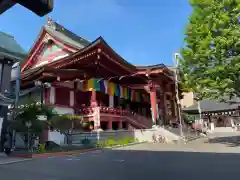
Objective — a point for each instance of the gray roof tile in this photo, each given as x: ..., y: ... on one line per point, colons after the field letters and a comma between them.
x: 10, y: 48
x: 63, y: 34
x: 212, y: 106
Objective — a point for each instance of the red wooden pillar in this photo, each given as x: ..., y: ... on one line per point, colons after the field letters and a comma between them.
x: 153, y: 101
x: 109, y: 124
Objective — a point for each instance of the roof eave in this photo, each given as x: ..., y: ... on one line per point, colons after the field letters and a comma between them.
x: 30, y: 52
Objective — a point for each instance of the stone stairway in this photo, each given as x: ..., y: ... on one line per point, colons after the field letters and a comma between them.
x: 139, y: 121
x: 188, y: 134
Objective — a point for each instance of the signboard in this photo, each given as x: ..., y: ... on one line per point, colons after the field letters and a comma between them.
x: 42, y: 118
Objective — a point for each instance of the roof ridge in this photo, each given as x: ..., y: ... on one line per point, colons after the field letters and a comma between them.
x: 60, y: 28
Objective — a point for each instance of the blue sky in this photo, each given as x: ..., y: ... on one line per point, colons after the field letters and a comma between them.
x: 143, y: 32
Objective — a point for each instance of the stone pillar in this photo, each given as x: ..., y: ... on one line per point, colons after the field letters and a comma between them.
x: 72, y: 99
x: 111, y: 101
x: 52, y: 95
x: 109, y: 124
x: 153, y: 101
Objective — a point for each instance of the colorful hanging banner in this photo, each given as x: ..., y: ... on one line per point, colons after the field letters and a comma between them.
x: 90, y: 85
x: 129, y: 93
x: 125, y: 93
x: 111, y: 88
x: 117, y: 90
x: 96, y: 84
x: 102, y: 86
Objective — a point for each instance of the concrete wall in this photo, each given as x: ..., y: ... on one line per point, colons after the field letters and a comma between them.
x: 56, y: 137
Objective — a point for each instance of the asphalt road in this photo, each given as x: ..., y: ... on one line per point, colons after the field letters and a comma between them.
x: 140, y: 162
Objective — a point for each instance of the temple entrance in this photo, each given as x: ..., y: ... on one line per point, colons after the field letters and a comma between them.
x: 124, y: 124
x: 115, y: 125
x: 104, y: 125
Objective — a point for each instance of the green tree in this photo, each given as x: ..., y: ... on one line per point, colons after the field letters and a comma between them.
x: 210, y: 62
x: 67, y: 123
x: 29, y: 114
x: 26, y: 120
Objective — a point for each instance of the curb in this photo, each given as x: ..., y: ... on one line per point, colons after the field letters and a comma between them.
x: 55, y: 154
x: 130, y: 144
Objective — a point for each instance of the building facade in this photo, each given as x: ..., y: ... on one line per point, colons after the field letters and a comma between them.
x: 90, y: 79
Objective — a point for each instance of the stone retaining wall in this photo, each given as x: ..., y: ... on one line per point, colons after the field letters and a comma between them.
x: 143, y: 135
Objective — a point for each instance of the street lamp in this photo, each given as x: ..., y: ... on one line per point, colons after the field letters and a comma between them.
x: 28, y: 125
x: 176, y: 63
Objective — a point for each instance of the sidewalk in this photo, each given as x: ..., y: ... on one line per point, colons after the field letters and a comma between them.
x: 9, y: 160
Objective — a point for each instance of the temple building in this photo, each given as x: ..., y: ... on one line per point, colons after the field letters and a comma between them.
x: 90, y: 79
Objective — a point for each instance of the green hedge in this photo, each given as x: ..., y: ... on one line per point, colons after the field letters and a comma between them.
x: 112, y: 142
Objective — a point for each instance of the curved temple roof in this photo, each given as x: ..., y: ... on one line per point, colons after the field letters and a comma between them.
x: 83, y: 49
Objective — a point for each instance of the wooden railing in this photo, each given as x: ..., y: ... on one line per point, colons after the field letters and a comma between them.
x: 117, y: 112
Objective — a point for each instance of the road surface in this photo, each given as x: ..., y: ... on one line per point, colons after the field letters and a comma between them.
x: 140, y: 162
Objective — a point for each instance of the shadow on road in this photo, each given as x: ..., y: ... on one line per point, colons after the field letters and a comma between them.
x: 231, y: 141
x: 179, y: 165
x: 141, y: 162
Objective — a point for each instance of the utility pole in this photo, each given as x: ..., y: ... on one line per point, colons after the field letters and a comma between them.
x: 176, y: 63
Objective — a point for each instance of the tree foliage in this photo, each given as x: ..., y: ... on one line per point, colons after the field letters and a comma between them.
x: 66, y: 123
x: 29, y: 113
x: 210, y: 62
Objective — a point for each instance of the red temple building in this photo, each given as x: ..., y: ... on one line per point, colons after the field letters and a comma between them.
x: 90, y: 77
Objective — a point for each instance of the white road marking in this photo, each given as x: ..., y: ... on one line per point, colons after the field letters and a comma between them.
x: 97, y: 152
x: 69, y: 159
x: 95, y: 155
x: 14, y: 161
x: 118, y: 160
x: 71, y: 156
x: 76, y: 159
